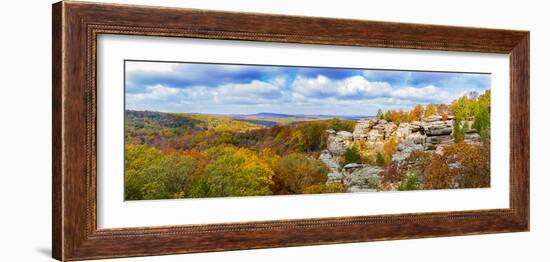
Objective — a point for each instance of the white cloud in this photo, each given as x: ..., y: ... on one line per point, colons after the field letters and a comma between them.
x: 279, y: 81
x: 356, y: 87
x: 304, y: 87
x: 156, y: 92
x: 420, y: 93
x: 353, y: 95
x: 253, y: 92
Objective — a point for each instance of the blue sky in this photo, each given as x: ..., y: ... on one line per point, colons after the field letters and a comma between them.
x: 247, y: 89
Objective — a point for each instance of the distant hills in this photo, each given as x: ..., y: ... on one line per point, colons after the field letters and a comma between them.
x: 269, y: 114
x: 302, y: 116
x: 234, y: 122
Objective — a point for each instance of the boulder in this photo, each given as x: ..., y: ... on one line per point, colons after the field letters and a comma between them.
x: 403, y: 131
x: 374, y: 130
x: 472, y: 137
x: 361, y: 178
x: 389, y: 130
x: 380, y: 127
x: 433, y: 141
x: 362, y: 128
x: 407, y: 146
x: 417, y: 138
x: 338, y: 142
x: 349, y: 168
x: 398, y: 157
x: 438, y: 130
x: 432, y: 118
x: 375, y: 135
x: 415, y: 126
x: 333, y: 165
x: 345, y: 135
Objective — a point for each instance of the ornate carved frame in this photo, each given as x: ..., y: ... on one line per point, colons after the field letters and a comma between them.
x: 76, y: 26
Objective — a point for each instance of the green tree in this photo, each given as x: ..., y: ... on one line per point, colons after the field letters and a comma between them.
x: 482, y: 116
x: 482, y: 123
x: 462, y: 109
x: 458, y: 132
x: 351, y: 155
x: 381, y: 159
x: 295, y: 172
x: 380, y: 114
x: 410, y: 182
x: 312, y: 133
x: 387, y: 116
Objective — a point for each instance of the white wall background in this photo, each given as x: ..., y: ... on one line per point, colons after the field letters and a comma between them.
x: 25, y: 124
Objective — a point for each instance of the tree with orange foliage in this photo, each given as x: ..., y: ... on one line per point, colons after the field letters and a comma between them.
x: 397, y: 116
x: 416, y: 113
x: 473, y: 164
x: 437, y: 174
x: 390, y: 147
x: 391, y: 175
x: 432, y: 168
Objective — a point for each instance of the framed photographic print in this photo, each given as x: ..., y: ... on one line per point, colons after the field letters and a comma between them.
x: 181, y: 130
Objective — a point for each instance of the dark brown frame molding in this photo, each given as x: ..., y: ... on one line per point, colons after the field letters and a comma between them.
x: 76, y: 26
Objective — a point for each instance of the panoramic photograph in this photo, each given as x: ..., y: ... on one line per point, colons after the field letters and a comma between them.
x: 204, y: 130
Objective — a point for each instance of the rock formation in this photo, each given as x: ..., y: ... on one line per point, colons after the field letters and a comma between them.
x: 472, y: 137
x: 333, y: 165
x: 361, y: 178
x: 373, y: 130
x: 338, y: 142
x: 431, y: 134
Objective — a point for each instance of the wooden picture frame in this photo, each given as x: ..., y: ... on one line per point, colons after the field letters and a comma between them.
x: 76, y: 26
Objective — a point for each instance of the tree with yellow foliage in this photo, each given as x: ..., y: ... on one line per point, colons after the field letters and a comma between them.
x: 430, y: 110
x: 234, y: 172
x: 295, y: 172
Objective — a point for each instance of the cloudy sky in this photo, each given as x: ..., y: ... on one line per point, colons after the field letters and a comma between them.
x: 247, y: 89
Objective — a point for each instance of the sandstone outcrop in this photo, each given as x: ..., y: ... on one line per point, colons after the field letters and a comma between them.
x: 431, y: 134
x: 361, y: 178
x: 333, y: 165
x: 338, y: 142
x: 472, y: 137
